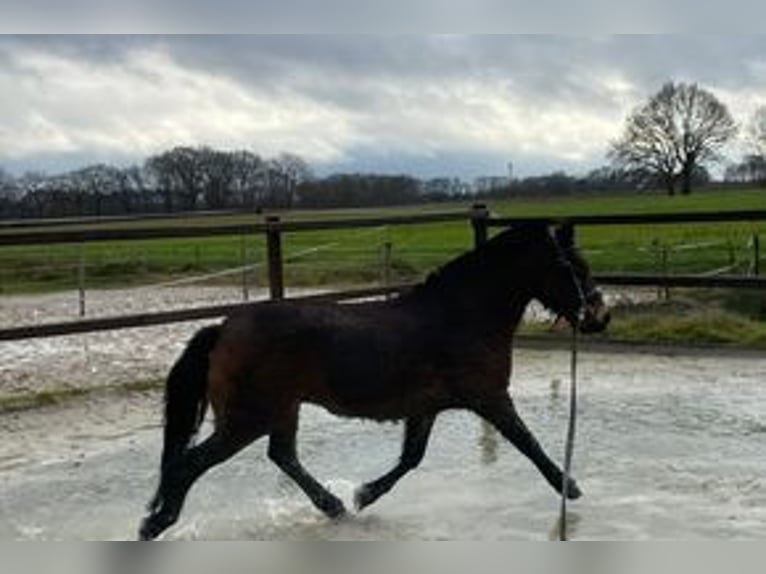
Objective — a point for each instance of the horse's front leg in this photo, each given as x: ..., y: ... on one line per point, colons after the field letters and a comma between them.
x: 283, y: 453
x: 501, y: 412
x: 416, y: 433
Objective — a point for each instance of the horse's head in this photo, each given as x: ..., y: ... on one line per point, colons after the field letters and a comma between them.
x: 535, y: 264
x: 567, y: 287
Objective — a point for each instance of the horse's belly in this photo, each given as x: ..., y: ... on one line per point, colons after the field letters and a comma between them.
x: 383, y: 399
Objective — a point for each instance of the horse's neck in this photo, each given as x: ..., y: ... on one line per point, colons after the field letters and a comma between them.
x: 503, y: 314
x: 498, y: 310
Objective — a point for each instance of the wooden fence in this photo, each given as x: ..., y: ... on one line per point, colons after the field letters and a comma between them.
x: 273, y: 228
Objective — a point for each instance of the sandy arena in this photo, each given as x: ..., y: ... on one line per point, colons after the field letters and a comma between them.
x: 670, y: 446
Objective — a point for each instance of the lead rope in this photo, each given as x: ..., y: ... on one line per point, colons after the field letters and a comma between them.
x: 569, y: 447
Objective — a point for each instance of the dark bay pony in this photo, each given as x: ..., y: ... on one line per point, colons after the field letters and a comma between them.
x: 444, y: 344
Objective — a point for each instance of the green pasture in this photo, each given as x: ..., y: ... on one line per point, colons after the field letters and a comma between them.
x: 353, y: 257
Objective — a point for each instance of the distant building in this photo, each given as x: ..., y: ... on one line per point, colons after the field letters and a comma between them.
x: 449, y: 186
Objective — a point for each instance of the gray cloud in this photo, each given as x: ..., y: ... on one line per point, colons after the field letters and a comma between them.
x: 541, y: 64
x: 346, y: 100
x: 414, y: 16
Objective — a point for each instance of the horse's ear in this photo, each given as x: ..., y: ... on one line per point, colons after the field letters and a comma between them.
x: 565, y: 236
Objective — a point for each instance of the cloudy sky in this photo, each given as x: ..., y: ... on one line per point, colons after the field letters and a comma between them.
x: 422, y: 104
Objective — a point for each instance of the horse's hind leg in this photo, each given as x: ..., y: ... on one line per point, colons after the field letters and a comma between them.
x: 178, y: 478
x: 416, y: 433
x: 501, y: 412
x: 283, y: 453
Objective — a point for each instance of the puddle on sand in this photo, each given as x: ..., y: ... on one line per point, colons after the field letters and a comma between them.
x: 667, y: 448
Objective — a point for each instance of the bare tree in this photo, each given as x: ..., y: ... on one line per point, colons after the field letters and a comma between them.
x: 681, y: 128
x: 752, y: 169
x: 217, y: 168
x: 134, y: 189
x: 249, y: 179
x: 287, y: 172
x: 97, y: 185
x: 179, y: 173
x: 8, y: 186
x: 9, y: 193
x: 756, y: 132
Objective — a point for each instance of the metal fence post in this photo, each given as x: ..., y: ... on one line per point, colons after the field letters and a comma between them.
x: 243, y: 263
x: 386, y: 249
x: 664, y: 262
x: 488, y: 439
x: 144, y: 264
x: 274, y: 248
x: 661, y: 267
x: 479, y: 217
x: 81, y: 280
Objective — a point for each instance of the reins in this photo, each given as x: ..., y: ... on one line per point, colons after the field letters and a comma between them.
x: 570, y: 438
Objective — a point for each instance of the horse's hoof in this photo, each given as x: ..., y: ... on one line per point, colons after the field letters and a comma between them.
x: 147, y: 531
x: 363, y: 497
x: 573, y: 491
x: 333, y: 508
x: 152, y: 526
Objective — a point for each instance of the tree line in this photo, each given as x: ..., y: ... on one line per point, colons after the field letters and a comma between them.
x: 190, y: 179
x: 669, y: 142
x: 180, y: 179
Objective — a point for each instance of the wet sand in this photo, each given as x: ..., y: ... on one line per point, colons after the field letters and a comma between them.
x: 668, y: 447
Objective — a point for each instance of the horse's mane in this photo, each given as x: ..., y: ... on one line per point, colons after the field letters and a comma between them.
x: 462, y: 270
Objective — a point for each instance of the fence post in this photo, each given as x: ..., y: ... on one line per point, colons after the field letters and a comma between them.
x: 243, y: 263
x: 664, y: 263
x: 274, y: 248
x: 144, y: 263
x: 756, y: 254
x: 386, y: 264
x: 661, y: 262
x: 81, y: 280
x: 488, y: 440
x: 479, y: 217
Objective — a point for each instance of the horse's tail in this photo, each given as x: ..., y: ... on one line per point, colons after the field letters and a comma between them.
x: 186, y: 394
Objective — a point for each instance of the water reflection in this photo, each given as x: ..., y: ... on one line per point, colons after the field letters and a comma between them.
x: 555, y: 389
x: 573, y: 527
x: 488, y: 442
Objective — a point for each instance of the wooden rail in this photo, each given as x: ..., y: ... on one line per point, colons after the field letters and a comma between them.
x: 637, y: 218
x: 273, y: 227
x: 272, y: 224
x: 651, y: 280
x: 175, y: 316
x: 95, y: 220
x: 276, y: 225
x: 216, y: 311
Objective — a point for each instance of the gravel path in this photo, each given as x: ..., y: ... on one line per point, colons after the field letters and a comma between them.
x: 108, y: 357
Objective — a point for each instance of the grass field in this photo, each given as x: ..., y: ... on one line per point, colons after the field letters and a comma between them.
x: 354, y: 257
